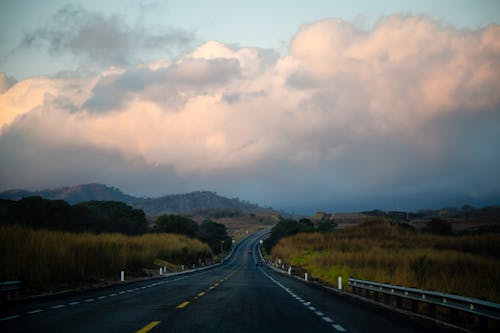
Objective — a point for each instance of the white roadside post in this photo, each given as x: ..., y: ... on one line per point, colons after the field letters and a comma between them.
x: 305, y: 276
x: 182, y: 267
x: 340, y: 282
x: 289, y: 270
x: 161, y: 271
x: 122, y: 276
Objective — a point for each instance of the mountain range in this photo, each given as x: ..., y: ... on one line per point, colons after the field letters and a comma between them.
x: 188, y: 203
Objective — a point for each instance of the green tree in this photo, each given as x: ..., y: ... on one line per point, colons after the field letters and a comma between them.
x: 284, y: 228
x: 214, y: 234
x: 176, y: 224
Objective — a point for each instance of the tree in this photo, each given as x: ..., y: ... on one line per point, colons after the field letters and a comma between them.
x: 214, y: 234
x: 114, y: 216
x: 176, y: 224
x: 285, y: 228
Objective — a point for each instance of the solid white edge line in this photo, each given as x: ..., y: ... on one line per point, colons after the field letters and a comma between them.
x: 328, y: 319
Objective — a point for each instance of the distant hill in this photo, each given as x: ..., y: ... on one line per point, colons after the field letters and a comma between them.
x: 204, y: 202
x: 73, y: 194
x: 199, y: 202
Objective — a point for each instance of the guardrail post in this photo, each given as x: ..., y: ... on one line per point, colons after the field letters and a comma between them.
x: 414, y: 306
x: 432, y: 310
x: 399, y: 302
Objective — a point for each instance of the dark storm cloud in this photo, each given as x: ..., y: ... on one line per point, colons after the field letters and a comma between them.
x: 161, y: 85
x: 103, y: 40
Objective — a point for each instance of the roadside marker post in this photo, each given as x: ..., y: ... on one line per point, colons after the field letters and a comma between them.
x: 289, y: 270
x: 305, y: 276
x: 122, y: 276
x: 161, y: 271
x: 340, y: 282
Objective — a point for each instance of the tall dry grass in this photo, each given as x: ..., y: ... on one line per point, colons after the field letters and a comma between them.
x: 384, y: 252
x: 40, y: 257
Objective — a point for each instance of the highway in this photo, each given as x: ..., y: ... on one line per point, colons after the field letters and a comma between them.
x: 237, y: 296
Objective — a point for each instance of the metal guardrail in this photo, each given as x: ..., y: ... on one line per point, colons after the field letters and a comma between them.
x: 9, y: 290
x: 481, y: 308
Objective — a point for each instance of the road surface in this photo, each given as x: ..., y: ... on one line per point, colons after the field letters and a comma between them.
x: 235, y: 297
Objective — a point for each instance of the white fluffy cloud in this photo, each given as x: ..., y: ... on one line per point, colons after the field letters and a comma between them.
x: 410, y: 108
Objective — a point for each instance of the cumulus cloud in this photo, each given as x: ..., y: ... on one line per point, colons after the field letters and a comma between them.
x: 392, y: 117
x: 100, y: 39
x: 6, y: 82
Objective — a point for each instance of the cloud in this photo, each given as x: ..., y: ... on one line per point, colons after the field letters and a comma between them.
x: 402, y: 116
x: 100, y: 39
x: 6, y: 82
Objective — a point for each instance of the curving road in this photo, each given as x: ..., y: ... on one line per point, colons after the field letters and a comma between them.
x: 234, y: 297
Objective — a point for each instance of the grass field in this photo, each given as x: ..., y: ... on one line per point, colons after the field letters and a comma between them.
x: 385, y: 252
x: 42, y: 258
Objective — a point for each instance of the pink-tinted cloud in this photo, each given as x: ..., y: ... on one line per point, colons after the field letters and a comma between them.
x: 346, y: 113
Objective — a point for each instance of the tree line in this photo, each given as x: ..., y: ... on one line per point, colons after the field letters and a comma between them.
x: 289, y: 227
x: 106, y: 217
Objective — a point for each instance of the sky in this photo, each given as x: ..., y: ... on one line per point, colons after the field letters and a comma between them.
x: 298, y: 105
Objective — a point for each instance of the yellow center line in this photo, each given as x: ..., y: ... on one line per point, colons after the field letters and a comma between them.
x: 148, y: 327
x: 201, y: 294
x: 183, y: 305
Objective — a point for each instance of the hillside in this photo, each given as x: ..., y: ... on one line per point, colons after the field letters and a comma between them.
x: 74, y: 194
x: 198, y: 202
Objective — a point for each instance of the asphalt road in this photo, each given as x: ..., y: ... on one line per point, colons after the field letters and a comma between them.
x: 235, y: 297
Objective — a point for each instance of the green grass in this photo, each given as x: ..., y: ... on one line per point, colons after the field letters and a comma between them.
x: 41, y: 258
x: 383, y: 252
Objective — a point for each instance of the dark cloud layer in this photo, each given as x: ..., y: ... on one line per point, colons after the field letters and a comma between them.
x: 100, y: 39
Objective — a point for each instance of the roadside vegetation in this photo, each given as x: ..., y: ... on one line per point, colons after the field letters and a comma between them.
x: 398, y: 254
x: 50, y: 243
x: 92, y: 216
x: 41, y: 258
x: 212, y: 233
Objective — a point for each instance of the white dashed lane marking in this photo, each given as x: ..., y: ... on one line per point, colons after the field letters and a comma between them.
x: 35, y: 311
x: 339, y: 328
x: 9, y: 318
x: 57, y: 306
x: 307, y: 304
